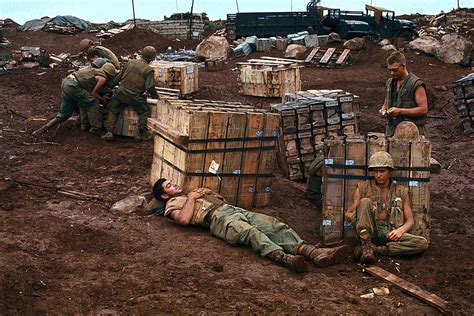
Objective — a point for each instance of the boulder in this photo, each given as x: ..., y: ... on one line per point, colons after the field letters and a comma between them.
x: 389, y: 47
x: 454, y: 49
x: 384, y: 42
x: 334, y: 37
x: 130, y: 204
x: 214, y: 47
x: 293, y: 50
x: 357, y: 43
x: 426, y: 44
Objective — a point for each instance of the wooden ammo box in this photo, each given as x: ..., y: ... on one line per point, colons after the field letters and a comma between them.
x: 228, y: 147
x: 307, y: 119
x: 464, y: 101
x: 346, y: 164
x: 127, y: 120
x: 272, y: 77
x: 183, y: 76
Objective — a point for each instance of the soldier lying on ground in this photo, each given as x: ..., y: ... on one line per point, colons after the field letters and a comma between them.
x: 381, y: 213
x: 265, y: 234
x: 81, y: 90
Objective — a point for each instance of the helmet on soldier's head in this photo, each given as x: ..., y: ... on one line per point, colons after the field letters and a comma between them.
x: 406, y: 130
x: 149, y: 53
x: 109, y: 69
x: 84, y: 44
x: 381, y: 159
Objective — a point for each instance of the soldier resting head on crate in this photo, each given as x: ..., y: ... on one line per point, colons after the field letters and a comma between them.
x: 136, y: 78
x: 265, y: 234
x: 381, y: 213
x: 405, y: 98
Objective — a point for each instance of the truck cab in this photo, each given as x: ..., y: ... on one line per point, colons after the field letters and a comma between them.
x: 384, y: 23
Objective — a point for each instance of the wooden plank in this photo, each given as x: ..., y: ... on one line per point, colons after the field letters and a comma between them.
x: 163, y: 129
x: 327, y: 55
x: 312, y: 54
x: 407, y: 287
x: 343, y: 56
x: 233, y: 160
x: 266, y: 161
x: 247, y: 185
x: 282, y: 59
x: 217, y: 130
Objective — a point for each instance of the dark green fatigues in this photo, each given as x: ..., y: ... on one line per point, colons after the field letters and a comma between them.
x: 315, y: 181
x: 403, y: 98
x: 366, y: 219
x: 106, y: 53
x: 135, y: 78
x: 76, y: 94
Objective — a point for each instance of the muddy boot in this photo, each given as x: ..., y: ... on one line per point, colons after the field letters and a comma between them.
x: 368, y: 254
x: 323, y: 257
x: 96, y: 131
x: 294, y: 263
x: 40, y: 130
x: 108, y: 136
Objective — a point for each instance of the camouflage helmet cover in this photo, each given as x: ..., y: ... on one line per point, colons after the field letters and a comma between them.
x: 109, y: 69
x: 84, y: 44
x: 381, y: 159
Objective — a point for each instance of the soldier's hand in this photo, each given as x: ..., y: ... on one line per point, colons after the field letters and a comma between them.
x: 395, y: 234
x: 383, y: 111
x: 194, y: 195
x: 394, y: 112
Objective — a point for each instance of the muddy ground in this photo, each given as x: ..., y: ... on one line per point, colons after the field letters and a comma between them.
x: 64, y: 255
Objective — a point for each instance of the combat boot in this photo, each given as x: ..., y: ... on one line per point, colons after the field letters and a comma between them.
x: 323, y: 257
x: 368, y: 252
x: 294, y: 263
x: 108, y: 136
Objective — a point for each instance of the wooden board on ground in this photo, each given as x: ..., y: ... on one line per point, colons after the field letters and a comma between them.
x: 407, y: 287
x: 312, y: 54
x: 327, y: 55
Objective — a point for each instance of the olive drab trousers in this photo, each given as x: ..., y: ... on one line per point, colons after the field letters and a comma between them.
x: 262, y: 232
x: 364, y: 218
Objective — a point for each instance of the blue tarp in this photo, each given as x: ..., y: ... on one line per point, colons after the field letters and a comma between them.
x: 60, y: 20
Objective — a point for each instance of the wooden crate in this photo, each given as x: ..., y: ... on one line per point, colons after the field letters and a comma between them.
x: 239, y: 141
x: 183, y: 76
x: 306, y: 120
x: 346, y: 164
x: 269, y: 77
x: 464, y: 101
x: 127, y: 120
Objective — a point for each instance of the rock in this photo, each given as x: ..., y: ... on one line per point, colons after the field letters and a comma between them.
x: 381, y: 290
x: 213, y: 47
x: 130, y: 204
x: 357, y: 43
x: 384, y: 42
x: 368, y: 295
x: 454, y: 49
x: 334, y: 37
x: 426, y: 44
x: 389, y: 47
x: 294, y: 50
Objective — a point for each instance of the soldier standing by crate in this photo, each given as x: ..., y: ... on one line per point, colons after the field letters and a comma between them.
x: 81, y: 90
x: 87, y: 45
x: 265, y: 234
x: 405, y: 98
x: 381, y: 213
x: 136, y: 78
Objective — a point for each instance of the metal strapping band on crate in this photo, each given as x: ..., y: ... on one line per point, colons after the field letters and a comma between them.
x: 221, y: 150
x: 342, y: 176
x: 361, y: 167
x: 208, y: 174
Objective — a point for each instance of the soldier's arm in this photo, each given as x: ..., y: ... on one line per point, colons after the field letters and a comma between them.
x: 183, y: 216
x: 421, y: 105
x: 383, y: 109
x: 150, y: 85
x: 351, y: 209
x: 98, y: 86
x: 396, y: 234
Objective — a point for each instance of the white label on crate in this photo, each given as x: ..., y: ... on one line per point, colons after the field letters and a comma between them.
x: 214, y: 167
x: 326, y: 222
x: 350, y: 162
x: 412, y: 183
x: 268, y: 189
x: 332, y: 103
x: 259, y: 133
x: 251, y: 189
x: 345, y: 99
x: 236, y: 171
x: 328, y: 161
x: 347, y: 224
x: 189, y: 69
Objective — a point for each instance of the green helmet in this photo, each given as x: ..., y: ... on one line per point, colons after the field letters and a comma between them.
x: 84, y: 44
x: 109, y: 69
x: 381, y: 159
x: 149, y: 53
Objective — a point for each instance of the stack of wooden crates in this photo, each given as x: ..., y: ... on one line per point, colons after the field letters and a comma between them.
x: 308, y: 118
x: 227, y: 147
x: 183, y: 76
x: 269, y: 77
x: 346, y: 164
x: 464, y: 101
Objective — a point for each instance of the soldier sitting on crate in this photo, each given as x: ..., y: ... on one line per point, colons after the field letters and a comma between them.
x: 381, y: 213
x: 405, y: 98
x: 81, y: 91
x: 265, y: 234
x: 136, y: 78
